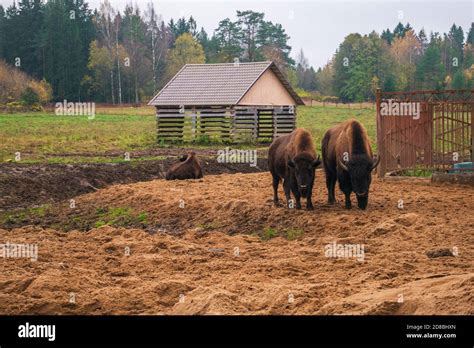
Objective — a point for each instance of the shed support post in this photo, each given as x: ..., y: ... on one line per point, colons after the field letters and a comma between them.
x: 255, y: 124
x: 193, y: 123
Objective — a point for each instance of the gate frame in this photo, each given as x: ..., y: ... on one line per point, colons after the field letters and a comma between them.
x: 429, y: 100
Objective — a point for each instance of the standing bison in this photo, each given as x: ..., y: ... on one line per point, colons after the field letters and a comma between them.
x: 347, y: 158
x: 188, y: 168
x: 292, y: 158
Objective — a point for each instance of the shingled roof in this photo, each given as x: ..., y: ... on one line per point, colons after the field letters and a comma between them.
x: 216, y: 84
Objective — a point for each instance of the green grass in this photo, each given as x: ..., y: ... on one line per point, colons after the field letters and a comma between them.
x: 318, y: 119
x: 418, y: 172
x: 293, y: 233
x: 41, y: 135
x: 45, y: 137
x: 119, y: 217
x: 269, y: 233
x: 23, y: 215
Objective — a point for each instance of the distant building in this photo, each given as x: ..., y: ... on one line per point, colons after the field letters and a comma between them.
x: 232, y: 101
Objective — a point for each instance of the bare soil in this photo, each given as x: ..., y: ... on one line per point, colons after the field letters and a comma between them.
x: 27, y: 185
x: 219, y: 246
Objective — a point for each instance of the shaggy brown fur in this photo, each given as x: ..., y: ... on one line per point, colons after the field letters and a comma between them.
x: 292, y: 158
x: 348, y: 159
x: 188, y: 168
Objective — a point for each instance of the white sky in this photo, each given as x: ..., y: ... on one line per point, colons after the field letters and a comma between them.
x: 318, y: 27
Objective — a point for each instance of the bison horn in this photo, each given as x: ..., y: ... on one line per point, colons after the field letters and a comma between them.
x: 342, y: 165
x: 317, y: 161
x: 375, y: 162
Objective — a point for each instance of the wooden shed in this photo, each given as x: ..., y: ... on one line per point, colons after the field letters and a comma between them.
x: 236, y: 102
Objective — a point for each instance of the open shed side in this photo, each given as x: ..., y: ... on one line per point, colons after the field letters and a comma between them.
x: 245, y: 102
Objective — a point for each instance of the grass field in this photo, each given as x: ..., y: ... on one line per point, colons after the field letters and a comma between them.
x: 45, y: 137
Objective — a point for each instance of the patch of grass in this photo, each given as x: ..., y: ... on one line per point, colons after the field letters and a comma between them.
x: 120, y: 217
x: 43, y: 136
x: 417, y: 172
x: 269, y: 233
x: 24, y: 215
x: 318, y: 119
x: 293, y: 233
x: 203, y: 140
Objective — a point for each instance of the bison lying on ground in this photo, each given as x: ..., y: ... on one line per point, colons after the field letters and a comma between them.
x: 347, y: 158
x: 292, y: 158
x: 188, y: 168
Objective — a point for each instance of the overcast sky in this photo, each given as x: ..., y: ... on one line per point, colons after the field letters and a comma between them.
x: 318, y: 27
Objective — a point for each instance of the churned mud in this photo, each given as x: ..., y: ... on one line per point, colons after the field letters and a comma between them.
x: 219, y: 246
x: 27, y: 185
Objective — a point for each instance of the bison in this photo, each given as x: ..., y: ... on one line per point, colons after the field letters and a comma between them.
x: 347, y: 158
x: 292, y: 157
x: 188, y: 168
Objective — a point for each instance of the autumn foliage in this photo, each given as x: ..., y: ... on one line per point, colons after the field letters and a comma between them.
x: 17, y: 86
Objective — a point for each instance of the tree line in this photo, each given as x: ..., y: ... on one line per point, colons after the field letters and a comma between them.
x: 106, y: 55
x: 398, y: 60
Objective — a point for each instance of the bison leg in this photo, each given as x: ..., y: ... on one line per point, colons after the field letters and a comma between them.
x: 287, y: 189
x: 297, y: 195
x: 296, y: 192
x: 309, y: 203
x: 346, y: 187
x: 348, y: 200
x: 276, y: 181
x: 331, y: 184
x: 309, y: 195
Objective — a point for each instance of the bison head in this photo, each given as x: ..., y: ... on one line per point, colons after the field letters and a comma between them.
x: 360, y: 168
x: 186, y: 156
x: 304, y: 166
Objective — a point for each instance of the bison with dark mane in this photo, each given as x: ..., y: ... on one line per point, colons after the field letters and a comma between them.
x: 348, y: 158
x: 188, y: 168
x: 292, y: 158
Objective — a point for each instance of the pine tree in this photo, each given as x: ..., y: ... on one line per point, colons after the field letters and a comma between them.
x: 423, y: 40
x: 273, y: 36
x: 66, y: 35
x: 21, y: 36
x: 249, y: 24
x: 399, y: 30
x: 133, y: 33
x: 430, y: 71
x: 387, y: 36
x: 228, y: 37
x: 470, y: 35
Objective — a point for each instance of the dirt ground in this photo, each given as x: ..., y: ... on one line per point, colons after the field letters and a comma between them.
x: 26, y: 185
x: 219, y: 246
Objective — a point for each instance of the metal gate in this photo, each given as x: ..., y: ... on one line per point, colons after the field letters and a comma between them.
x: 424, y: 129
